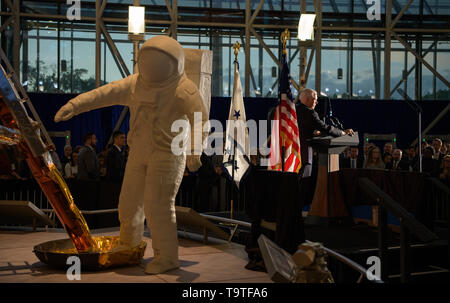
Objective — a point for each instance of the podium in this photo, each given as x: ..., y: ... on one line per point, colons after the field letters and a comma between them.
x: 325, y: 204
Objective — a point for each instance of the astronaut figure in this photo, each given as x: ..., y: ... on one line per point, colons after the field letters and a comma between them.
x: 159, y: 94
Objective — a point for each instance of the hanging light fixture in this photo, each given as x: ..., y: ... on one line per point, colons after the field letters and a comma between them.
x: 136, y: 20
x: 306, y: 27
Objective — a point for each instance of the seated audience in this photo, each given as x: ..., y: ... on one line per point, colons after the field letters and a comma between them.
x: 397, y: 162
x: 430, y: 165
x: 374, y: 159
x: 438, y: 152
x: 387, y: 159
x: 387, y: 149
x: 412, y: 158
x: 354, y: 160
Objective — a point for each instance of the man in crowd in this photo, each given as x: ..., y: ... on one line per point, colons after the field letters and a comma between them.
x: 397, y: 162
x: 67, y: 158
x: 354, y: 160
x: 309, y: 124
x: 115, y: 159
x: 412, y: 158
x: 437, y: 145
x: 430, y: 165
x: 88, y: 162
x: 387, y: 150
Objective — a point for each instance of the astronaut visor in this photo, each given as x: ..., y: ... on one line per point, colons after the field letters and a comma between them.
x: 156, y: 66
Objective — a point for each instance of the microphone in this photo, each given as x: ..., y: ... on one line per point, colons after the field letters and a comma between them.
x: 338, y: 123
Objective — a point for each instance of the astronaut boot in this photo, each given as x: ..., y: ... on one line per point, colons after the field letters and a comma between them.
x: 160, y: 264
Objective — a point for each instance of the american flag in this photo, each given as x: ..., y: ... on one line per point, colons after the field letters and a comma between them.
x: 285, y: 128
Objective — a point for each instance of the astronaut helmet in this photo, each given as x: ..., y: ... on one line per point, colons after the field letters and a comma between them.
x: 160, y: 60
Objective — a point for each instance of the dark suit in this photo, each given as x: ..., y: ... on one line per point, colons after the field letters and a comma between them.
x: 88, y: 165
x: 309, y: 121
x: 402, y: 165
x: 115, y: 164
x: 345, y: 163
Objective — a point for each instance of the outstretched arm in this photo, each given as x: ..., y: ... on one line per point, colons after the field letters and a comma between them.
x: 114, y: 93
x: 197, y: 135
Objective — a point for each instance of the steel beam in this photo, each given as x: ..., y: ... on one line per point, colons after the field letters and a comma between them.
x: 374, y: 62
x: 274, y: 58
x: 252, y: 77
x: 7, y: 22
x: 303, y: 53
x: 387, y: 52
x: 421, y: 59
x: 247, y: 48
x: 16, y: 39
x: 318, y: 40
x: 433, y: 123
x: 9, y: 4
x: 401, y: 14
x: 98, y: 39
x: 234, y: 25
x: 174, y: 31
x: 411, y: 69
x: 255, y: 14
x: 115, y: 52
x: 290, y: 61
x: 311, y: 57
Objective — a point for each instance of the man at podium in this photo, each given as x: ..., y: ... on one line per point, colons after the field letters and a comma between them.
x: 310, y: 125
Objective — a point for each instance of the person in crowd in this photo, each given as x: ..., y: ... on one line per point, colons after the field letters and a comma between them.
x: 6, y: 169
x: 374, y: 159
x: 71, y: 168
x: 67, y: 157
x: 387, y: 149
x: 429, y: 165
x: 77, y: 149
x: 205, y: 180
x: 88, y: 162
x: 115, y: 158
x: 423, y: 145
x: 447, y: 147
x: 444, y: 176
x: 346, y: 153
x: 387, y: 160
x: 308, y: 123
x: 354, y: 160
x: 366, y: 147
x: 413, y: 158
x: 438, y: 153
x: 397, y: 162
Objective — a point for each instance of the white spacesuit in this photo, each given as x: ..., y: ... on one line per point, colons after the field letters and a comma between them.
x: 157, y: 95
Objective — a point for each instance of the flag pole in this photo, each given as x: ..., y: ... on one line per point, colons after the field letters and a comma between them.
x: 284, y: 37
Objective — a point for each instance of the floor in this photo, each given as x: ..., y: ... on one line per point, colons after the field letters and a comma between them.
x: 216, y: 262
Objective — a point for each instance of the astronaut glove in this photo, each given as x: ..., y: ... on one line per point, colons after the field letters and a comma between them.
x: 193, y: 162
x: 65, y: 113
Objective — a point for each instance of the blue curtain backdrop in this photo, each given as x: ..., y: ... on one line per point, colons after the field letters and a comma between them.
x: 365, y: 116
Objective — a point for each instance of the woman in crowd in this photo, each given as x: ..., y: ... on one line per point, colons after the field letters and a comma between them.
x: 445, y: 172
x: 71, y: 168
x: 374, y: 159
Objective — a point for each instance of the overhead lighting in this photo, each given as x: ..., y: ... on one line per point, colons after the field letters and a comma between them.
x: 306, y: 27
x: 136, y: 20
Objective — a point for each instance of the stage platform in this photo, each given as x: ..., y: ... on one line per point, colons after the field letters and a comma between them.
x: 218, y: 261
